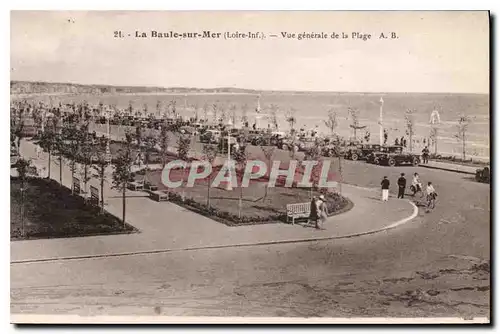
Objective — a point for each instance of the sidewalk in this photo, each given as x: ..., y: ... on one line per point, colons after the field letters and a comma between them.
x: 166, y: 226
x: 450, y: 167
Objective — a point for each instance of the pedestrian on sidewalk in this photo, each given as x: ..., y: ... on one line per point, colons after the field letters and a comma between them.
x: 385, y: 189
x: 313, y: 214
x: 425, y: 155
x: 322, y: 212
x: 401, y: 186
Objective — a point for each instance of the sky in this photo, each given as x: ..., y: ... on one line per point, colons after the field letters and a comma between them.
x: 434, y: 51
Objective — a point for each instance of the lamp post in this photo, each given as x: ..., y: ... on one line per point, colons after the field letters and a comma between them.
x: 381, y: 129
x: 229, y: 125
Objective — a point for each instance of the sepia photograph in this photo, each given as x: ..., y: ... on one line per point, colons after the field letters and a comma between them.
x: 314, y: 167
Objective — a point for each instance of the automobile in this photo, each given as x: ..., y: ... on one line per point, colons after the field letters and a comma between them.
x: 210, y: 136
x: 397, y: 156
x: 483, y: 175
x: 374, y: 156
x: 361, y: 151
x: 306, y: 143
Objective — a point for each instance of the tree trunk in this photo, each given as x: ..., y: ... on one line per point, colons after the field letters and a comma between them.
x: 340, y: 174
x: 208, y: 192
x: 102, y: 188
x: 85, y: 176
x: 240, y: 202
x: 72, y: 167
x: 60, y: 169
x: 463, y: 146
x: 124, y: 187
x: 48, y: 171
x: 21, y: 208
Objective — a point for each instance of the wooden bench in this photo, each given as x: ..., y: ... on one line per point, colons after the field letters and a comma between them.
x: 297, y: 210
x: 159, y: 195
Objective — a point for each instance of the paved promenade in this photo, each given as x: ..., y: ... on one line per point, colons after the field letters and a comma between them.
x: 168, y: 227
x: 451, y: 167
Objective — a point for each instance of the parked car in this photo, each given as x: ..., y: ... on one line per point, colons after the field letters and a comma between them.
x: 483, y: 175
x: 210, y: 137
x: 360, y: 151
x: 306, y: 143
x: 398, y: 157
x: 374, y: 156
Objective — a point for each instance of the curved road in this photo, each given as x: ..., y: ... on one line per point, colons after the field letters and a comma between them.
x: 436, y: 265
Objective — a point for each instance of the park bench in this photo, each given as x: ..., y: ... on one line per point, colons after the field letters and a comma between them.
x: 136, y: 185
x: 297, y: 210
x: 159, y: 195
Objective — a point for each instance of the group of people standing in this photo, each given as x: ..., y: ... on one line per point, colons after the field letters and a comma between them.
x: 416, y: 187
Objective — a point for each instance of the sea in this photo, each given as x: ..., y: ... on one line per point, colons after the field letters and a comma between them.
x: 311, y: 111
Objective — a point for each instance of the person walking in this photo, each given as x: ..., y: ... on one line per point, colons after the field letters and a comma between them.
x: 385, y: 189
x: 322, y: 212
x: 401, y: 186
x: 313, y: 214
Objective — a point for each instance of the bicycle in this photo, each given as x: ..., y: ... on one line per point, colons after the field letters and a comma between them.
x: 431, y: 202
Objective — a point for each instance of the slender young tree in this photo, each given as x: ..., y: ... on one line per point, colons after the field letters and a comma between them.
x: 354, y: 113
x: 149, y: 147
x: 291, y: 119
x: 433, y: 138
x: 461, y: 135
x: 183, y: 146
x: 163, y: 142
x: 72, y: 141
x: 268, y: 152
x: 209, y: 154
x: 331, y: 121
x: 87, y: 151
x: 99, y: 166
x: 244, y: 115
x: 241, y: 157
x: 121, y: 170
x: 410, y: 126
x: 314, y: 154
x: 22, y: 167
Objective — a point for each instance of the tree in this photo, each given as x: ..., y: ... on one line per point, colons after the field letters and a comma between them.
x: 130, y: 107
x: 240, y: 156
x: 183, y: 146
x: 313, y: 154
x: 163, y: 142
x: 121, y: 170
x: 244, y: 115
x: 215, y: 109
x: 149, y: 147
x: 273, y: 116
x: 145, y: 109
x: 268, y: 153
x: 22, y: 167
x: 47, y: 142
x: 290, y: 118
x: 433, y: 138
x: 158, y: 107
x: 87, y: 151
x: 209, y: 154
x: 354, y: 113
x: 100, y: 164
x: 232, y: 109
x: 205, y: 112
x: 331, y: 122
x: 462, y: 128
x: 410, y: 126
x: 72, y: 147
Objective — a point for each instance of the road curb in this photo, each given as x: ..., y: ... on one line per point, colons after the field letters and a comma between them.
x: 448, y: 169
x: 265, y: 243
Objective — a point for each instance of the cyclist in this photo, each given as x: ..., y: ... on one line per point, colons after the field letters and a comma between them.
x: 416, y: 185
x: 431, y: 196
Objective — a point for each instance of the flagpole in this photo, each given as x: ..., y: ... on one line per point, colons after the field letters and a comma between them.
x: 381, y: 121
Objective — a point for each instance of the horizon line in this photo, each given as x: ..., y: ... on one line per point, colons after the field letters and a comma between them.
x: 242, y: 89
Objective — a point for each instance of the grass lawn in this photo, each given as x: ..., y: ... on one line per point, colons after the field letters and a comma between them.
x: 255, y: 209
x: 50, y: 211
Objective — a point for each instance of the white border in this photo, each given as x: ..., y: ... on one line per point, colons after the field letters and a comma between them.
x: 190, y: 5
